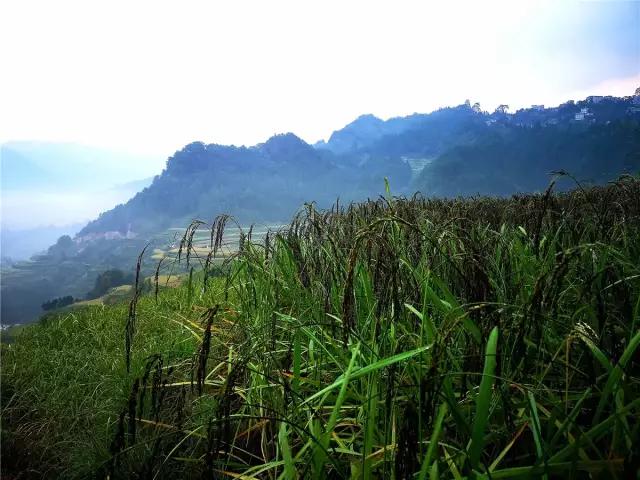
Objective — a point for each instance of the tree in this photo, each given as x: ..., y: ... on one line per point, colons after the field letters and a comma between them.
x: 64, y: 242
x: 502, y: 109
x: 107, y: 280
x: 63, y: 247
x: 57, y: 303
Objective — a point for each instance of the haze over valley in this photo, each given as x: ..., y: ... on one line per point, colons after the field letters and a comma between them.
x: 50, y: 189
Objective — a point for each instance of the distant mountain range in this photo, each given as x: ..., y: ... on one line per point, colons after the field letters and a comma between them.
x: 266, y: 182
x: 453, y: 151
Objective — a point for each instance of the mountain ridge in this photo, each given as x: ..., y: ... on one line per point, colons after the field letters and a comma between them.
x: 459, y: 150
x: 270, y: 180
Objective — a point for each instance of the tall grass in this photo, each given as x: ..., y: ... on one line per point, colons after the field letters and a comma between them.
x: 397, y: 338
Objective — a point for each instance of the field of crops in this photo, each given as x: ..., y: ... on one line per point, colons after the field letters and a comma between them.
x: 398, y: 338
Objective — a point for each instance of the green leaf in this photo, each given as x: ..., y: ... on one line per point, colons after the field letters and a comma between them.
x: 385, y: 362
x: 426, y: 321
x: 595, y: 432
x: 615, y: 376
x: 534, y: 424
x: 483, y: 400
x: 283, y: 440
x: 295, y: 384
x: 428, y: 463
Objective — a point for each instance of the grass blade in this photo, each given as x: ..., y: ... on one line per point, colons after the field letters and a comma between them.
x: 483, y: 400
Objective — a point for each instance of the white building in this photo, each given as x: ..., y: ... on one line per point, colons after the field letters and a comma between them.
x: 583, y: 115
x: 595, y: 99
x: 537, y: 107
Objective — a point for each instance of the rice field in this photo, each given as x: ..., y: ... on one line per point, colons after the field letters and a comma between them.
x: 398, y: 338
x: 200, y: 245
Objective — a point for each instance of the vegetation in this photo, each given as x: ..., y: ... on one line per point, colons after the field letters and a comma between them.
x: 398, y: 338
x: 506, y: 159
x: 473, y: 152
x: 64, y: 270
x: 263, y: 183
x: 452, y: 151
x: 109, y: 279
x: 57, y: 303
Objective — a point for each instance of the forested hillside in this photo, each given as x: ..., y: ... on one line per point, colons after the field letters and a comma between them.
x: 460, y: 150
x: 453, y: 151
x: 506, y: 159
x: 267, y: 182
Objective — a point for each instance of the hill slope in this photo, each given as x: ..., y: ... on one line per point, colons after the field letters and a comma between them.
x: 506, y: 159
x: 267, y: 182
x: 508, y: 327
x: 453, y: 151
x: 464, y: 150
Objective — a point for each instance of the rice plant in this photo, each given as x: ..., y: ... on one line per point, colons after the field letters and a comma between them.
x: 396, y: 338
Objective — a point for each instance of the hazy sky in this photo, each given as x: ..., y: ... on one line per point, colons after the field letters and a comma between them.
x: 150, y: 76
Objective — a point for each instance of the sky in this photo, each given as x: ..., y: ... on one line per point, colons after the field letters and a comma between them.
x: 152, y: 76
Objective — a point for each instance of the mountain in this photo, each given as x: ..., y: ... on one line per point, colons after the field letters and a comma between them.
x: 18, y: 171
x: 508, y: 160
x: 452, y: 151
x: 459, y: 150
x: 463, y: 150
x: 46, y: 184
x: 266, y: 182
x: 399, y: 135
x: 21, y: 243
x: 363, y: 131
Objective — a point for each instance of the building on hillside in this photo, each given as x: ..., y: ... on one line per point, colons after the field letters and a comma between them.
x: 538, y: 108
x: 584, y: 114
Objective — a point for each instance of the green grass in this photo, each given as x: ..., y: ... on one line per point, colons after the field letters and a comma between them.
x: 480, y: 338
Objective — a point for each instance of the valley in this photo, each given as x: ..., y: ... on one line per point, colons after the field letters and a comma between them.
x: 456, y: 151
